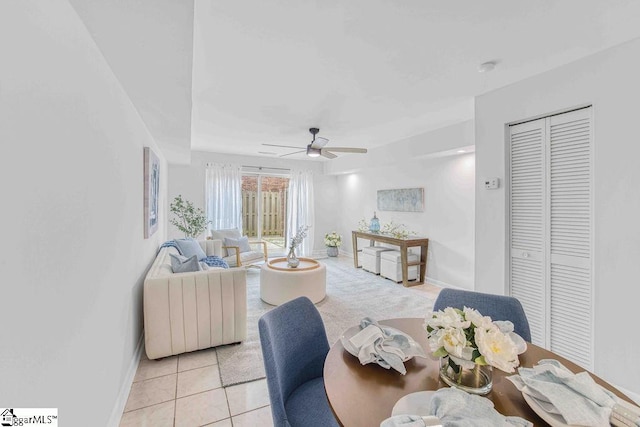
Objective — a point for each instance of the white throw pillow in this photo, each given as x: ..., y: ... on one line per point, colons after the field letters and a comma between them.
x: 242, y: 243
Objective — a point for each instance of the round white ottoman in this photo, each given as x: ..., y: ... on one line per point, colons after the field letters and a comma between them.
x: 280, y: 283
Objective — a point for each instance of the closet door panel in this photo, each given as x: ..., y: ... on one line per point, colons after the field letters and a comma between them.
x: 570, y: 245
x: 527, y: 222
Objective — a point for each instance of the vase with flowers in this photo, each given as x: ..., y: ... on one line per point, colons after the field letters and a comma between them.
x: 296, y: 240
x: 470, y: 345
x: 332, y: 241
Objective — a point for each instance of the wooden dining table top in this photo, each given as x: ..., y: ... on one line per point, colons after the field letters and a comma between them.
x: 364, y: 395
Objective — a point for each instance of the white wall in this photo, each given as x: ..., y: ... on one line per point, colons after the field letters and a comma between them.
x: 74, y: 256
x: 189, y: 181
x: 448, y: 182
x: 609, y: 81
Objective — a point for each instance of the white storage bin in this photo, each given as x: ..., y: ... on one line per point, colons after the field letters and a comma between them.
x: 391, y: 266
x: 371, y: 258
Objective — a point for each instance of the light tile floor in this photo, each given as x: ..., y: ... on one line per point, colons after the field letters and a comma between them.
x: 186, y: 391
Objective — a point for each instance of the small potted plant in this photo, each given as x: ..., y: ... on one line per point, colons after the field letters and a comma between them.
x: 332, y: 240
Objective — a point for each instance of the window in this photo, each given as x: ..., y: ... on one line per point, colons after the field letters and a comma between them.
x: 264, y: 209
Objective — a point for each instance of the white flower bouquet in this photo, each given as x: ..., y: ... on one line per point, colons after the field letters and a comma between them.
x: 332, y: 239
x: 467, y: 338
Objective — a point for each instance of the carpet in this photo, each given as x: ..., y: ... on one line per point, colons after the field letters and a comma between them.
x: 351, y: 295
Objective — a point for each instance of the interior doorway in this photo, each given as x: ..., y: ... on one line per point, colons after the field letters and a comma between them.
x: 264, y: 209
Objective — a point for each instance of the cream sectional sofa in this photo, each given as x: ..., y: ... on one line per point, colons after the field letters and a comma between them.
x: 192, y: 311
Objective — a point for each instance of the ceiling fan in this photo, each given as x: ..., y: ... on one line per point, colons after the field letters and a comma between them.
x: 316, y: 148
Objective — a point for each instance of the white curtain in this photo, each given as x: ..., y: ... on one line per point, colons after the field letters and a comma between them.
x: 300, y: 209
x: 223, y: 193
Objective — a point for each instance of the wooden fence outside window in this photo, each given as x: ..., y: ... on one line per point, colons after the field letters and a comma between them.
x: 273, y: 213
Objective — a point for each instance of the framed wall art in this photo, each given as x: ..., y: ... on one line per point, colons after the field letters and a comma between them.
x: 151, y: 191
x: 401, y: 200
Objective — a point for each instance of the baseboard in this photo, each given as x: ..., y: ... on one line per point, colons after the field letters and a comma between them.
x: 125, y: 388
x: 440, y: 283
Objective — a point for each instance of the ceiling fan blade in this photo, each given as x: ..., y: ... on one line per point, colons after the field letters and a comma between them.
x: 295, y: 152
x: 347, y: 149
x: 327, y: 154
x: 319, y: 142
x: 285, y: 146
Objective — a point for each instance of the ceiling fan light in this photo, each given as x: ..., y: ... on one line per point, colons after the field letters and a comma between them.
x: 313, y: 152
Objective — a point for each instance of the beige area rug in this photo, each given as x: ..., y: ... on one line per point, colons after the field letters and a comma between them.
x: 351, y: 295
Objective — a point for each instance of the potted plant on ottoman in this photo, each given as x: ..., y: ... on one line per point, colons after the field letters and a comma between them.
x: 332, y: 240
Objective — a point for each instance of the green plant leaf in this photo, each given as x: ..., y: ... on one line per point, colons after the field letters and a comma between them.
x: 189, y: 219
x: 441, y: 352
x: 480, y: 360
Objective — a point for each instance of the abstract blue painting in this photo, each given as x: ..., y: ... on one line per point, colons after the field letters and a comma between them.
x: 401, y: 200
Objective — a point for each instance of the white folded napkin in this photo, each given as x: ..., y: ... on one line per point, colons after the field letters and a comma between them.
x: 385, y: 346
x: 575, y: 397
x: 457, y: 408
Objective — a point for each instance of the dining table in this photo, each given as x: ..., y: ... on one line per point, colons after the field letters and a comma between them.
x: 364, y: 395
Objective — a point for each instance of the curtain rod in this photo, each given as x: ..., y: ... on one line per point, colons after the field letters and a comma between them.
x: 266, y: 167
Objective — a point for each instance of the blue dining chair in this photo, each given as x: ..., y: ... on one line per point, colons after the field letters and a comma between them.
x: 498, y: 307
x: 294, y: 346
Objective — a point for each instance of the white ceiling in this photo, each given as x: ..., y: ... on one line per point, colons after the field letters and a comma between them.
x: 366, y: 72
x: 149, y: 46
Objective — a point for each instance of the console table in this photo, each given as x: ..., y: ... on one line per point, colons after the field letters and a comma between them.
x: 403, y: 244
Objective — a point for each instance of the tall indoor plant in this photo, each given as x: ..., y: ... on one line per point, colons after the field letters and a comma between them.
x: 189, y: 219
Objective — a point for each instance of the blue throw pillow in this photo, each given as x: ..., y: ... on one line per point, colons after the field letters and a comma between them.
x: 182, y: 264
x: 190, y: 247
x: 242, y: 243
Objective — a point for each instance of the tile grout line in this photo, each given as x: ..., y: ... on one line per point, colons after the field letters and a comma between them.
x: 147, y: 406
x: 251, y: 410
x: 226, y: 396
x: 175, y: 399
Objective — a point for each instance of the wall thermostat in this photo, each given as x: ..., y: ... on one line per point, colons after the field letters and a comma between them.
x: 491, y: 183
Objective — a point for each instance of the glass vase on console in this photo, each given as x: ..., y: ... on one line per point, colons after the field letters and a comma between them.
x: 292, y: 259
x: 476, y: 380
x: 374, y: 225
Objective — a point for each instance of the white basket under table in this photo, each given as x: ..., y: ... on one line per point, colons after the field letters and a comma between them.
x: 280, y: 283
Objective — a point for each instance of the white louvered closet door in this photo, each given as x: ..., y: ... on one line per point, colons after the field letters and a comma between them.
x: 569, y: 275
x: 527, y: 185
x: 551, y: 231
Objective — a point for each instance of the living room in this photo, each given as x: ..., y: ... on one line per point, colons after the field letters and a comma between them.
x: 73, y: 125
